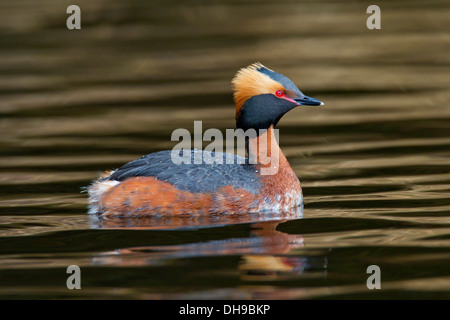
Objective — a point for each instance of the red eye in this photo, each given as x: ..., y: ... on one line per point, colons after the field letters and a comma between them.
x: 279, y: 93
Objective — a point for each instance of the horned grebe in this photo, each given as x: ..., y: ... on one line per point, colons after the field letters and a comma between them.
x: 155, y: 185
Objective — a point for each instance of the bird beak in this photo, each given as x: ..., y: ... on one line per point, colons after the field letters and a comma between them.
x: 308, y: 101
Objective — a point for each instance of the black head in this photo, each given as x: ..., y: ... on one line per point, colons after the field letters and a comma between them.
x: 263, y: 96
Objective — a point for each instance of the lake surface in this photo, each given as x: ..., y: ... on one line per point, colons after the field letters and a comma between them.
x: 374, y: 162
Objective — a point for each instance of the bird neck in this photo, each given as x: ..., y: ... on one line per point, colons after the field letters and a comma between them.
x: 264, y: 151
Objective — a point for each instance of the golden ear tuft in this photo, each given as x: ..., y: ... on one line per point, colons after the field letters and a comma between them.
x: 256, y: 66
x: 249, y: 82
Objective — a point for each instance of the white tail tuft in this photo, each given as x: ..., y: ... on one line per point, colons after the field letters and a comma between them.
x: 96, y: 192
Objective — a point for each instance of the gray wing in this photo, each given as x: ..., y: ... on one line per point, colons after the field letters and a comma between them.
x: 199, y: 175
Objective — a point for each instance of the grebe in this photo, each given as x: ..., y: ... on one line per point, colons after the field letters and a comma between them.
x: 155, y: 185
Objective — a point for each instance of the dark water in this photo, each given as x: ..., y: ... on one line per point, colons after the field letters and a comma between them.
x: 374, y: 162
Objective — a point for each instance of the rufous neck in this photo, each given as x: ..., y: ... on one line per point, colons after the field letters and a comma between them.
x: 265, y: 151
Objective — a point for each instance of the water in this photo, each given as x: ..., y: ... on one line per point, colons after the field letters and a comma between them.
x: 374, y: 162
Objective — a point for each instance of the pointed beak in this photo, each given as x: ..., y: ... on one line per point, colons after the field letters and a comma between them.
x: 308, y: 101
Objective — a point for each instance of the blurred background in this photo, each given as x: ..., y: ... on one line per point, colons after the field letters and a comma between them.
x: 374, y: 162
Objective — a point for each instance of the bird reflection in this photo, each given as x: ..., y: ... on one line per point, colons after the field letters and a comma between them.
x: 265, y: 254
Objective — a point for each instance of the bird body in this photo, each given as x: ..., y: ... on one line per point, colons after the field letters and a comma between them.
x: 155, y: 185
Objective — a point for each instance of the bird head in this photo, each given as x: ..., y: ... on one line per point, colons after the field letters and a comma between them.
x: 263, y: 96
